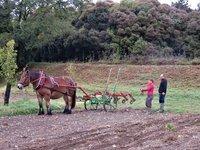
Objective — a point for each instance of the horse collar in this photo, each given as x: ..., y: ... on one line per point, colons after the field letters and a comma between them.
x: 40, y: 82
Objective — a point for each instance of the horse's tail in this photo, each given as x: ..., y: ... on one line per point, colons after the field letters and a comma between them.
x: 72, y: 83
x: 74, y: 99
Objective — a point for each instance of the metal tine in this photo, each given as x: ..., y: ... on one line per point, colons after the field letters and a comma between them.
x: 117, y: 78
x: 108, y: 80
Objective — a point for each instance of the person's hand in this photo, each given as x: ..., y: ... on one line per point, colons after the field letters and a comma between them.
x: 141, y: 90
x: 163, y: 93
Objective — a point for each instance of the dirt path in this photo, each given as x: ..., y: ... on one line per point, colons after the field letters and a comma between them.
x: 125, y: 129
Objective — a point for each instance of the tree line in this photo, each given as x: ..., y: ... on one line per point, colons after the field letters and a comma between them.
x: 60, y: 30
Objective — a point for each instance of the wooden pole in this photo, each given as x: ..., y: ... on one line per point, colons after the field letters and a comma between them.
x: 7, y: 94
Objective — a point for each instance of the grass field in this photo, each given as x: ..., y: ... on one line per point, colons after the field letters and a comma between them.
x: 183, y: 92
x: 177, y: 100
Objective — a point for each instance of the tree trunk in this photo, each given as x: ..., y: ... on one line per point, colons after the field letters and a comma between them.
x: 7, y: 94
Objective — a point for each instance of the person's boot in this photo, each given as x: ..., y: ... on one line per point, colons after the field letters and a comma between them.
x: 161, y: 107
x: 148, y: 110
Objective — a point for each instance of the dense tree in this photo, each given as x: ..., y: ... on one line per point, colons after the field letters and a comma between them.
x: 59, y: 30
x: 6, y: 27
x: 182, y: 4
x: 192, y: 40
x: 7, y: 53
x: 39, y: 34
x: 141, y: 27
x: 5, y: 16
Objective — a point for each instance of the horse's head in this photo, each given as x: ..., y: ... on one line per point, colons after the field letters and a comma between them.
x: 24, y: 79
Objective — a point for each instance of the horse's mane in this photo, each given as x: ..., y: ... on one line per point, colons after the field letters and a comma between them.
x: 35, y: 74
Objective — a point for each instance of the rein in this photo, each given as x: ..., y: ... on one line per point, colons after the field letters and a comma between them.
x: 36, y: 80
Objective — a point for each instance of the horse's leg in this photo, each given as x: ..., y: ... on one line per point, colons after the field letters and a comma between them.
x: 66, y: 104
x: 67, y: 109
x: 40, y: 102
x: 48, y: 105
x: 69, y: 104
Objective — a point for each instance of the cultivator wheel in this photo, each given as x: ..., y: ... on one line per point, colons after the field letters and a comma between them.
x: 132, y: 101
x: 123, y: 101
x: 91, y: 104
x: 110, y: 103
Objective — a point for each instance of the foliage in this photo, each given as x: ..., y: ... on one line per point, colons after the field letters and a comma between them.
x: 5, y: 15
x: 58, y: 30
x: 144, y: 28
x: 6, y: 27
x: 182, y: 4
x: 8, y: 61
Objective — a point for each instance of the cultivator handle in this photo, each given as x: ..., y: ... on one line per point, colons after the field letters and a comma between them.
x: 108, y: 80
x: 117, y: 78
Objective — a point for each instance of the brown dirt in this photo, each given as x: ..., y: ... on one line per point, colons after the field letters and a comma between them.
x: 124, y: 129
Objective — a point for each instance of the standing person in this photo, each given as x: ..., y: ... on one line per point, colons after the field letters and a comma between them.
x: 150, y: 91
x: 162, y: 92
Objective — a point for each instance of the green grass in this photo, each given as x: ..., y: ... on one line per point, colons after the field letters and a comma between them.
x: 183, y: 101
x: 177, y: 100
x: 25, y: 107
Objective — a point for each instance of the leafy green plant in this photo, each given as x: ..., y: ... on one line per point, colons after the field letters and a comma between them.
x: 170, y: 127
x: 8, y: 66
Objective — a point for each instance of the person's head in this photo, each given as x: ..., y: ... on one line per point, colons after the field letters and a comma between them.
x: 162, y: 76
x: 150, y: 81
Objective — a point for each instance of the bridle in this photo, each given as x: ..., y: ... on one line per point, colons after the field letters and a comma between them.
x: 24, y: 79
x: 29, y: 79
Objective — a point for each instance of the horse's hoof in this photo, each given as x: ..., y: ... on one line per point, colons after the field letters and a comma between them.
x: 69, y: 112
x: 49, y: 113
x: 65, y: 111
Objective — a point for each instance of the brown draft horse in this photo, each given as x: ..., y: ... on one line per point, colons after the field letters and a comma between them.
x: 47, y: 88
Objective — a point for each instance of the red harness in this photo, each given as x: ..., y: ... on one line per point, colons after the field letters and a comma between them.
x: 41, y: 83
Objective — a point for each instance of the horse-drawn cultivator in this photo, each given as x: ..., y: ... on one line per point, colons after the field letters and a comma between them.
x: 106, y: 99
x: 48, y: 87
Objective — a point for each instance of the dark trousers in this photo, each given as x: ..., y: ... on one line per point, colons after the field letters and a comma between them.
x: 161, y: 101
x: 149, y: 101
x: 161, y: 98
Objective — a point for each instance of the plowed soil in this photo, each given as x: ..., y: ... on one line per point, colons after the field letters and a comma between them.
x: 124, y: 129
